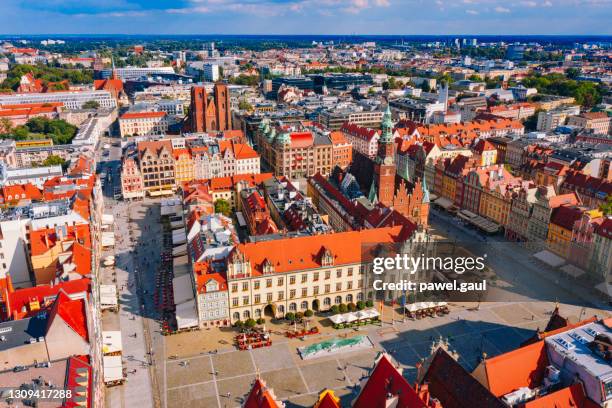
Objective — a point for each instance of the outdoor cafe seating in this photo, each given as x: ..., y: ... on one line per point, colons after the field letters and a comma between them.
x: 426, y: 309
x: 352, y: 319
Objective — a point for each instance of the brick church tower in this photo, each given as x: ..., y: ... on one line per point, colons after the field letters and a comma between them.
x: 207, y: 113
x: 384, y: 164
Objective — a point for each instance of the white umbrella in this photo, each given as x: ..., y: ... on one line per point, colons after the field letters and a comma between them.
x: 337, y: 319
x: 412, y: 308
x: 373, y: 312
x: 442, y: 303
x: 350, y: 317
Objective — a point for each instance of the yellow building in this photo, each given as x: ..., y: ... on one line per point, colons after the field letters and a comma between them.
x: 560, y: 229
x: 183, y: 166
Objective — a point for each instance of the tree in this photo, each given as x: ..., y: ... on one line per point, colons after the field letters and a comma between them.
x: 290, y: 316
x: 369, y: 303
x: 334, y: 309
x: 425, y: 86
x: 250, y: 323
x: 91, y: 105
x: 343, y: 308
x: 223, y: 207
x: 351, y: 307
x: 572, y: 73
x: 54, y: 160
x: 5, y: 126
x: 360, y: 305
x: 607, y: 206
x: 244, y: 105
x: 308, y: 313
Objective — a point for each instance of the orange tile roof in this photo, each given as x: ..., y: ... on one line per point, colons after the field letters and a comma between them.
x: 304, y: 252
x: 568, y: 397
x: 523, y: 367
x: 143, y: 115
x: 260, y: 397
x: 72, y: 312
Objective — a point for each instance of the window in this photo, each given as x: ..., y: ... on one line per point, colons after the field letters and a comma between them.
x: 268, y: 297
x: 245, y: 286
x: 234, y: 287
x: 338, y: 286
x: 246, y: 314
x: 256, y: 285
x: 292, y: 280
x: 315, y: 291
x: 349, y: 285
x: 327, y: 301
x: 304, y: 292
x: 315, y: 276
x: 291, y: 293
x: 304, y: 278
x: 350, y: 271
x: 281, y: 295
x: 257, y: 299
x: 235, y: 301
x: 280, y: 282
x: 327, y: 274
x: 245, y: 300
x: 304, y: 305
x: 292, y: 307
x: 268, y: 283
x: 327, y: 288
x: 338, y: 273
x: 338, y: 300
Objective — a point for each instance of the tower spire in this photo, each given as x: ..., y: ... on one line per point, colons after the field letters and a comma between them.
x: 387, y: 127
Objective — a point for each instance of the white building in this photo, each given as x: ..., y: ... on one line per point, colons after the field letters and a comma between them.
x: 34, y: 175
x: 70, y: 99
x: 13, y: 250
x: 211, y: 72
x: 143, y: 124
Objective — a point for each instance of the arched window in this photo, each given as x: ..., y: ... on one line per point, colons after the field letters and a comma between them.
x: 236, y: 316
x: 349, y: 298
x: 292, y: 307
x: 246, y: 314
x: 338, y: 300
x: 360, y: 296
x: 281, y: 308
x: 327, y: 301
x: 304, y: 305
x: 257, y: 312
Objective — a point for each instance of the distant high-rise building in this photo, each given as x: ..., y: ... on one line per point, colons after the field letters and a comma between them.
x: 209, y: 113
x: 211, y: 72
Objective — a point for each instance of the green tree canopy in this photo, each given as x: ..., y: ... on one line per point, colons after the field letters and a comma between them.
x: 223, y: 207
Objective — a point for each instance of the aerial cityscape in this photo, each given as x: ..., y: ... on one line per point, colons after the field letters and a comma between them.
x: 349, y: 205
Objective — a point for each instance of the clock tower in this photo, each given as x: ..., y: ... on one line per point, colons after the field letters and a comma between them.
x: 384, y: 165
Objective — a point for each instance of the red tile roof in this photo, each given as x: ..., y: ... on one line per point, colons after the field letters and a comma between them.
x: 568, y: 397
x: 260, y: 397
x: 565, y: 216
x: 385, y: 382
x: 72, y: 312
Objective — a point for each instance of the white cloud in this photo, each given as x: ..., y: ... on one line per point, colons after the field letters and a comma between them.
x: 547, y: 3
x: 382, y: 3
x: 501, y: 9
x: 472, y: 12
x: 529, y: 3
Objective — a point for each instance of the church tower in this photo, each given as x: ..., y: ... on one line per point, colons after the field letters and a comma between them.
x: 384, y: 166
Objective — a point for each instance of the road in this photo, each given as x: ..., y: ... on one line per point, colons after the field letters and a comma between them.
x: 136, y: 319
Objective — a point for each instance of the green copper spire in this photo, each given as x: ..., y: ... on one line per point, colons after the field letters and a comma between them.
x: 372, y: 194
x: 425, y: 190
x: 406, y: 172
x: 387, y: 127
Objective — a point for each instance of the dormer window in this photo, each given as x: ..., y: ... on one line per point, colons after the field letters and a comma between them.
x: 327, y: 259
x: 267, y: 267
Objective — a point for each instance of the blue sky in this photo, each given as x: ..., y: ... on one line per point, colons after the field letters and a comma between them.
x: 306, y: 17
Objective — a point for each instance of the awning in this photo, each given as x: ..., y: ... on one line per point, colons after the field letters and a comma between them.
x: 179, y: 250
x: 178, y: 237
x: 549, y: 258
x: 182, y: 288
x: 113, y: 368
x: 175, y: 209
x: 111, y: 342
x: 337, y: 319
x: 108, y: 219
x: 572, y: 270
x: 108, y: 296
x: 157, y: 193
x: 444, y: 203
x: 108, y: 239
x: 186, y: 315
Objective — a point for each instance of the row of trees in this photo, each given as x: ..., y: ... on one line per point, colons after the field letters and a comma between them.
x: 47, y: 74
x: 58, y: 130
x: 586, y: 93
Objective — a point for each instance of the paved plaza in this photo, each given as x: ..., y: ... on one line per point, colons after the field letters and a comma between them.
x: 224, y: 378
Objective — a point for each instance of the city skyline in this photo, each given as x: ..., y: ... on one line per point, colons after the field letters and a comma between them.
x: 303, y: 17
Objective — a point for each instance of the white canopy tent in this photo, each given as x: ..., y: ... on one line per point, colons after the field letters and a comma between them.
x: 186, y: 315
x: 549, y: 258
x: 113, y: 369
